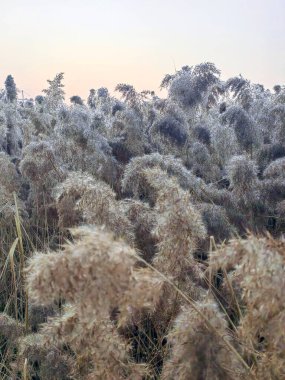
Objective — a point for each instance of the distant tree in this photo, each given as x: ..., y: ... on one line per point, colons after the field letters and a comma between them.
x: 102, y: 92
x: 55, y: 93
x: 91, y: 99
x: 166, y: 81
x: 133, y: 97
x: 39, y: 99
x: 277, y: 88
x: 127, y: 91
x: 191, y: 87
x: 75, y: 99
x: 10, y: 87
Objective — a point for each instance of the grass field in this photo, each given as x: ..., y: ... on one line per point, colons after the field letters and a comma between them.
x: 141, y: 237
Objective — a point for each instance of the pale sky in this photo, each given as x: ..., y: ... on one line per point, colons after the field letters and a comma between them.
x: 104, y: 42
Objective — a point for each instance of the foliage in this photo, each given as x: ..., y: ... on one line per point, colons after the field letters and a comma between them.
x: 10, y: 88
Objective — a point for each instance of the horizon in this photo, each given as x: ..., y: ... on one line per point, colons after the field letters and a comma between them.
x: 102, y: 44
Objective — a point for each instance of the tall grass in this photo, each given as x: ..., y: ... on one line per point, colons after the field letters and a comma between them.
x: 142, y: 238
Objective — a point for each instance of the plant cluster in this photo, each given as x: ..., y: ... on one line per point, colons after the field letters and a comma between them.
x: 142, y: 238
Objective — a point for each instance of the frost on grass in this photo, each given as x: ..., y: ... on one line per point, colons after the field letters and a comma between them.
x: 141, y: 237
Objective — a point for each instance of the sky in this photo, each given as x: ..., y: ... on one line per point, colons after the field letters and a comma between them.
x: 100, y: 43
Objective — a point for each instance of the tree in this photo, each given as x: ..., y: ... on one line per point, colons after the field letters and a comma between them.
x: 39, y: 99
x: 75, y: 99
x: 91, y: 99
x: 55, y: 93
x: 10, y: 87
x: 191, y: 86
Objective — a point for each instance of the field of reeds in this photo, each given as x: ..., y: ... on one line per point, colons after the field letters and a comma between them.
x: 141, y: 237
